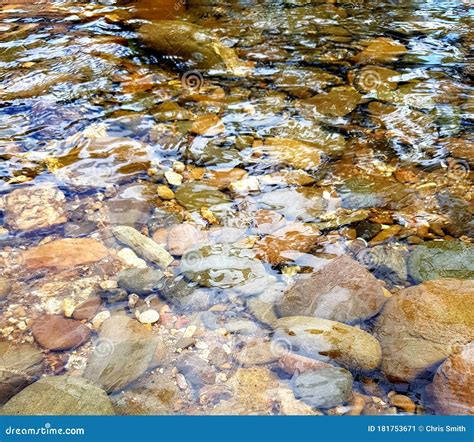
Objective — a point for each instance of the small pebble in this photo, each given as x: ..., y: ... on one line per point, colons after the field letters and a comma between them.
x: 164, y: 192
x: 99, y: 319
x: 129, y: 257
x: 189, y: 332
x: 403, y: 402
x: 149, y: 317
x: 173, y: 178
x: 133, y: 299
x: 68, y: 307
x: 181, y: 381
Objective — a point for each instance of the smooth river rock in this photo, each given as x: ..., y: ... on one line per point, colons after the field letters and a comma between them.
x: 59, y: 395
x: 441, y: 259
x: 122, y: 353
x: 57, y: 333
x: 421, y: 326
x: 453, y: 384
x: 343, y: 291
x: 32, y: 208
x: 323, y: 388
x: 191, y: 42
x: 326, y: 340
x: 140, y: 281
x: 19, y: 366
x: 223, y: 266
x: 142, y: 245
x: 64, y: 254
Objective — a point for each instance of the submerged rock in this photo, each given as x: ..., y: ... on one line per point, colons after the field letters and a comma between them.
x: 123, y: 352
x: 256, y: 352
x: 453, y: 384
x: 376, y: 79
x: 381, y: 50
x: 323, y: 388
x: 57, y: 333
x: 300, y: 204
x: 225, y: 267
x: 64, y: 254
x: 191, y: 43
x: 5, y: 287
x: 327, y: 340
x: 59, y: 395
x: 257, y: 391
x: 422, y: 325
x: 19, y: 366
x: 342, y: 291
x: 183, y: 237
x: 143, y: 245
x: 141, y: 281
x: 386, y: 262
x: 87, y: 309
x: 441, y: 259
x: 460, y: 213
x: 298, y: 154
x: 194, y: 195
x: 32, y: 208
x: 338, y: 102
x: 366, y: 193
x: 285, y: 243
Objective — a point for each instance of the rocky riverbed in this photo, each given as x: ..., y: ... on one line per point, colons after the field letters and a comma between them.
x: 234, y: 208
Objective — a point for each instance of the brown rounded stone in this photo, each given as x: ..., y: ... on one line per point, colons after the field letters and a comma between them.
x: 343, y: 291
x: 280, y: 246
x: 422, y: 325
x: 57, y: 333
x: 65, y: 253
x: 87, y: 309
x: 453, y: 383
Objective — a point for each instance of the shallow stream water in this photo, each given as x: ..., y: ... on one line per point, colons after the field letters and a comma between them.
x: 347, y: 132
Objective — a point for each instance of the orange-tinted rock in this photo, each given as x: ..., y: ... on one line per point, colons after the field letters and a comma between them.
x: 57, y: 333
x: 65, y: 253
x: 87, y: 309
x: 207, y: 125
x: 341, y: 291
x: 459, y: 147
x: 32, y: 208
x: 453, y: 383
x: 420, y: 326
x: 267, y: 221
x: 293, y: 363
x: 380, y: 50
x: 221, y: 179
x: 339, y: 101
x: 294, y: 153
x: 282, y: 244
